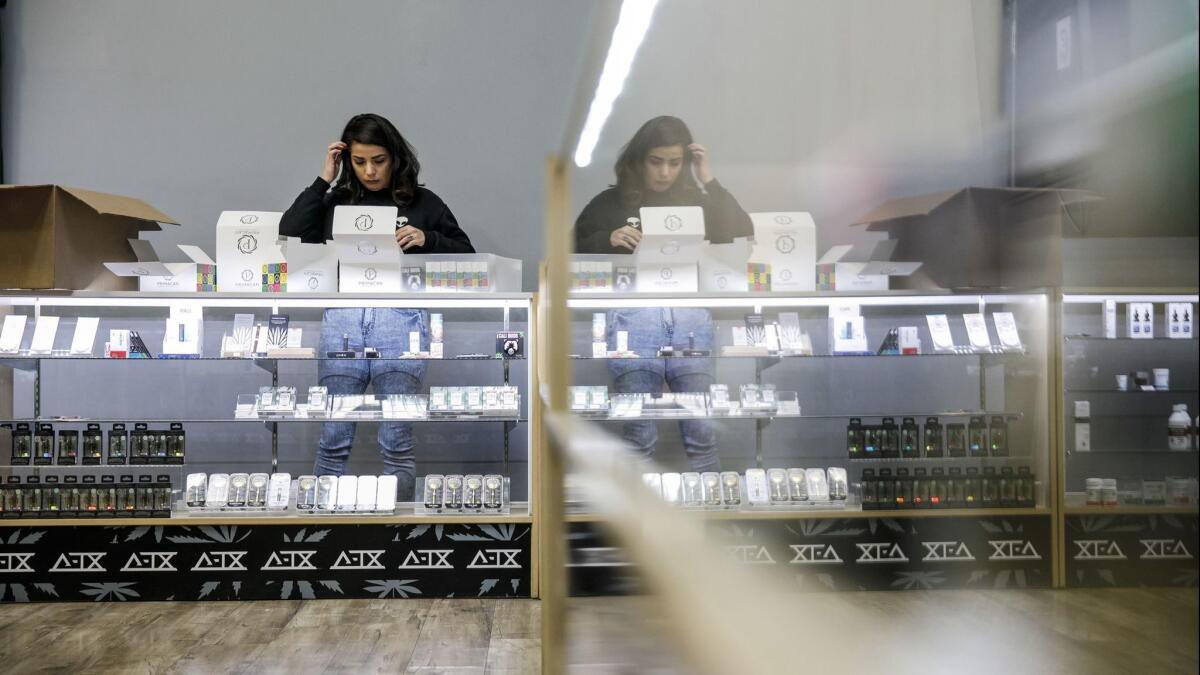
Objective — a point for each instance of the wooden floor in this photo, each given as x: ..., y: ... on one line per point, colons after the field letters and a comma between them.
x: 1008, y: 631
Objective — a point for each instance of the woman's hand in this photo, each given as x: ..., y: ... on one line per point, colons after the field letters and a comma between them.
x: 410, y: 237
x: 333, y: 161
x: 625, y: 237
x: 700, y: 165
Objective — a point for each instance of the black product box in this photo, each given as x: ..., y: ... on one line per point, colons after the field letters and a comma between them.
x: 870, y: 490
x: 1008, y: 487
x: 11, y: 496
x: 68, y: 448
x: 854, y: 440
x: 22, y: 445
x: 118, y: 445
x: 937, y: 488
x: 904, y: 490
x: 93, y: 446
x: 143, y: 497
x: 977, y: 437
x: 106, y: 497
x: 955, y: 486
x: 956, y: 440
x: 140, y: 440
x: 89, y: 498
x: 890, y: 441
x: 971, y: 485
x: 910, y: 439
x: 51, y: 498
x: 998, y: 437
x: 510, y: 345
x: 934, y: 442
x: 31, y: 497
x: 1025, y: 487
x: 175, y: 445
x: 43, y: 445
x: 989, y: 487
x: 126, y: 498
x: 920, y: 489
x: 162, y: 496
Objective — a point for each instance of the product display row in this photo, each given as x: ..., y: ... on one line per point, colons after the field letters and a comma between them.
x: 937, y: 488
x: 457, y: 493
x: 1140, y: 320
x: 979, y: 437
x: 277, y: 492
x: 1173, y: 491
x: 756, y: 489
x: 281, y: 401
x: 141, y: 445
x: 145, y: 496
x: 754, y: 400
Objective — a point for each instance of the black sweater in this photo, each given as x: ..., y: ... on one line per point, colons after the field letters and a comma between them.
x: 724, y: 218
x: 311, y: 218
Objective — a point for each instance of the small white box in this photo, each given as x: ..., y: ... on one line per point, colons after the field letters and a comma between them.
x: 1110, y: 319
x: 246, y: 240
x: 1140, y: 319
x: 1179, y: 320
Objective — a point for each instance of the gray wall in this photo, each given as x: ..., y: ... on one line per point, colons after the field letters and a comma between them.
x: 202, y: 107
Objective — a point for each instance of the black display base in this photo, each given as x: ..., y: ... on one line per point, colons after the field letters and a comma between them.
x: 263, y: 562
x: 855, y: 554
x: 1132, y: 550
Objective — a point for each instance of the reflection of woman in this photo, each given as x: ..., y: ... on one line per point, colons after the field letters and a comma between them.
x: 661, y: 166
x: 378, y: 168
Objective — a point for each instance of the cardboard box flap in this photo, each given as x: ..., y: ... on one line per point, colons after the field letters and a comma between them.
x: 924, y: 205
x: 889, y: 268
x: 196, y: 254
x: 835, y: 254
x: 117, y: 205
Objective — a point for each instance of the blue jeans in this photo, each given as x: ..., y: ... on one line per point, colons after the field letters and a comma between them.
x: 386, y: 330
x: 649, y: 329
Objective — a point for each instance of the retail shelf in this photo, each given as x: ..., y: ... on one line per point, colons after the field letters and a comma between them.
x: 773, y: 416
x: 228, y: 420
x: 1131, y: 510
x: 241, y: 359
x: 1129, y: 392
x: 402, y: 517
x: 848, y: 512
x: 1083, y: 337
x: 799, y: 357
x: 1131, y: 451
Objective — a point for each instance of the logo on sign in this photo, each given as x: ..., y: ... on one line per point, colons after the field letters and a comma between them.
x: 290, y: 561
x: 369, y: 274
x: 784, y: 243
x: 786, y: 275
x: 1098, y: 549
x: 1013, y: 549
x: 79, y: 562
x: 880, y: 553
x: 946, y: 551
x: 364, y: 223
x: 666, y: 273
x: 313, y: 283
x: 358, y: 560
x: 247, y: 275
x: 150, y: 561
x: 249, y: 219
x: 428, y: 559
x: 247, y: 244
x: 783, y: 220
x: 673, y: 223
x: 15, y: 562
x: 722, y: 281
x: 496, y: 558
x: 751, y: 554
x: 814, y: 554
x: 670, y: 248
x: 1164, y: 549
x: 367, y: 248
x: 141, y: 271
x: 220, y: 561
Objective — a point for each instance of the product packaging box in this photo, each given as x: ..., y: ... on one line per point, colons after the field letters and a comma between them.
x: 672, y: 241
x: 847, y: 267
x: 312, y: 268
x: 787, y: 242
x: 248, y: 251
x: 368, y: 256
x: 55, y: 236
x: 983, y: 237
x: 723, y: 266
x: 154, y: 275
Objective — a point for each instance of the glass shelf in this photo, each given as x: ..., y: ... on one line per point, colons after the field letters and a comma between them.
x: 579, y: 357
x: 1131, y: 391
x: 242, y: 359
x: 1097, y: 338
x: 226, y: 420
x: 1132, y: 451
x: 605, y: 417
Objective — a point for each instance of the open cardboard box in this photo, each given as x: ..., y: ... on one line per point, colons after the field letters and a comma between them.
x: 983, y: 237
x: 60, y: 237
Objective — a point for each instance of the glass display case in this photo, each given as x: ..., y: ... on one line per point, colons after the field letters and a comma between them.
x: 203, y: 413
x: 820, y: 410
x: 1129, y: 403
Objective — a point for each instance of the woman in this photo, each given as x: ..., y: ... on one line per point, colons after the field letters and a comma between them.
x: 662, y: 166
x: 378, y: 168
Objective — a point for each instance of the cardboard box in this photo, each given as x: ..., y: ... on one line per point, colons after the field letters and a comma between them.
x: 983, y: 237
x: 55, y: 236
x: 786, y: 242
x: 723, y: 266
x: 672, y: 243
x: 846, y: 268
x: 312, y: 268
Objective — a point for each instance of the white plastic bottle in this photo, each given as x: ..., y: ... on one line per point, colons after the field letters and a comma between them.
x: 1179, y: 428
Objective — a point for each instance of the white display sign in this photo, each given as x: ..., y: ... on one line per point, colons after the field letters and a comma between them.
x: 13, y: 331
x: 85, y: 335
x: 939, y: 330
x: 43, y: 335
x: 977, y: 332
x: 1006, y: 330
